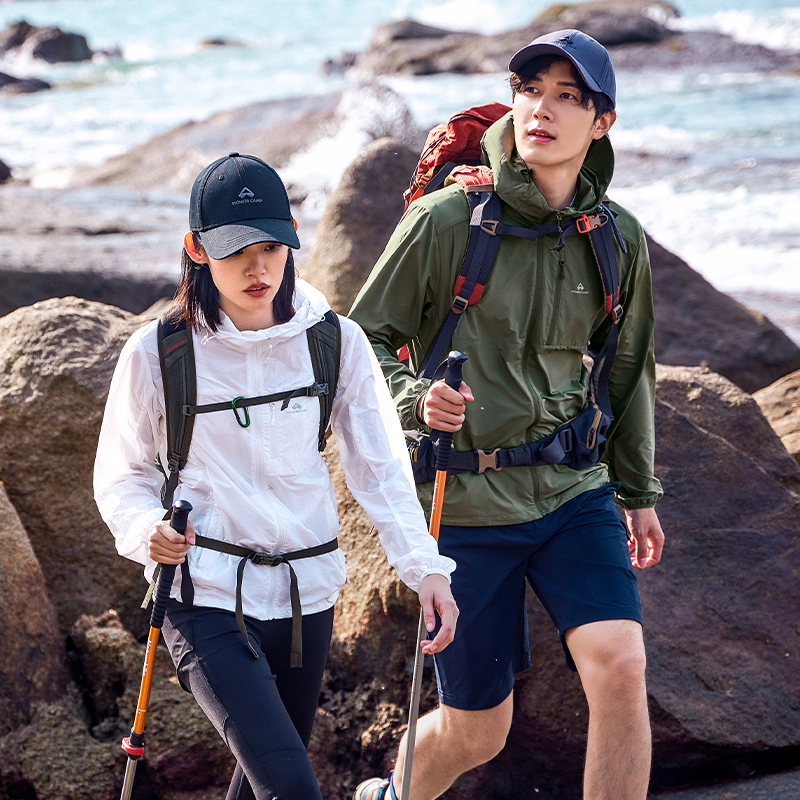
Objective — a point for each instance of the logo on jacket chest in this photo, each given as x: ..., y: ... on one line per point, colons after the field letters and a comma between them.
x: 580, y: 289
x: 296, y: 408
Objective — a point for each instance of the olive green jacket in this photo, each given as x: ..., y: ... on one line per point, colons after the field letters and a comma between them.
x: 525, y: 338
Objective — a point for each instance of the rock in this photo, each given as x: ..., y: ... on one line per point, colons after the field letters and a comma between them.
x: 221, y: 41
x: 612, y: 22
x: 780, y: 404
x: 56, y: 361
x: 698, y: 326
x: 5, y: 172
x: 358, y: 220
x: 182, y: 747
x: 47, y: 44
x: 276, y: 131
x: 11, y: 85
x: 633, y: 30
x: 33, y: 661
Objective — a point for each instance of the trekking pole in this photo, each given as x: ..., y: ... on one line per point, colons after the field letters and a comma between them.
x: 133, y: 745
x: 452, y: 377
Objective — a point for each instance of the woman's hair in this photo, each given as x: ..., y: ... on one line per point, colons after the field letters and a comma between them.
x: 539, y: 64
x: 196, y: 299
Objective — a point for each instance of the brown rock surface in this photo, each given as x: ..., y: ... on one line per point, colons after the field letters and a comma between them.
x: 56, y: 361
x: 358, y: 220
x: 780, y: 404
x: 696, y: 325
x: 33, y: 658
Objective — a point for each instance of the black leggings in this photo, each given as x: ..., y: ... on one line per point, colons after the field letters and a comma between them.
x: 263, y: 709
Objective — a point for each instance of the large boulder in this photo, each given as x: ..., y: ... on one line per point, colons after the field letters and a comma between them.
x: 47, y: 44
x: 33, y: 657
x: 56, y: 361
x: 780, y: 404
x: 358, y: 220
x: 696, y: 325
x: 274, y: 130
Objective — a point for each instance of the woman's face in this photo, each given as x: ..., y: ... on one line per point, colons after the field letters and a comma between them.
x: 248, y: 281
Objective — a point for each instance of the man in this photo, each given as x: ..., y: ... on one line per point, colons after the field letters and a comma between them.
x: 554, y: 526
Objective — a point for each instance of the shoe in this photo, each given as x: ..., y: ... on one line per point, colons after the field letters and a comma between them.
x: 373, y: 789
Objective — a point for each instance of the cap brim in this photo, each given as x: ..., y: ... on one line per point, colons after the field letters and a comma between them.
x: 226, y: 240
x: 520, y: 58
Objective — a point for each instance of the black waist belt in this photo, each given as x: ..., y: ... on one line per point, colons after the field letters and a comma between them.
x: 270, y: 560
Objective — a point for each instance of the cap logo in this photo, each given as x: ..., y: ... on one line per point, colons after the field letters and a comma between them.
x: 246, y: 196
x: 566, y: 41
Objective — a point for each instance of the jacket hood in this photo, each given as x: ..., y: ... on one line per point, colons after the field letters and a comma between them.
x: 514, y: 183
x: 310, y: 306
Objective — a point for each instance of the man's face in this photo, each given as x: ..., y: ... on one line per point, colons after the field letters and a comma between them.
x: 551, y: 128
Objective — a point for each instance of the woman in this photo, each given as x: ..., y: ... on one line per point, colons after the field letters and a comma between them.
x: 256, y: 480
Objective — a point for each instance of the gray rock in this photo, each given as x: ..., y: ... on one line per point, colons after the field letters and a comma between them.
x: 45, y: 43
x: 780, y: 404
x: 56, y: 361
x: 358, y: 220
x: 698, y: 326
x: 33, y: 660
x: 11, y: 85
x: 5, y: 172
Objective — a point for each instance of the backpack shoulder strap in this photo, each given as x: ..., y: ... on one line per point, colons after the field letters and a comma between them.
x: 176, y: 356
x: 325, y: 348
x: 482, y: 247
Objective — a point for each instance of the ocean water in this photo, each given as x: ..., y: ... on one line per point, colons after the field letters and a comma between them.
x: 724, y: 194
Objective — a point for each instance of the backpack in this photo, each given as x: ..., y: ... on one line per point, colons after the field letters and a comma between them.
x: 452, y: 155
x: 176, y: 356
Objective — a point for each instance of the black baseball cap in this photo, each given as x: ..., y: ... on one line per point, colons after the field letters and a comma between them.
x: 590, y: 58
x: 237, y: 201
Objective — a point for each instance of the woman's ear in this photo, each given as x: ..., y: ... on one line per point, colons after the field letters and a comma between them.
x: 196, y: 252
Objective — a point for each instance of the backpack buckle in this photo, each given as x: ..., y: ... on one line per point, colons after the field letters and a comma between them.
x: 490, y: 226
x: 487, y: 459
x: 459, y: 304
x: 616, y: 313
x: 588, y: 222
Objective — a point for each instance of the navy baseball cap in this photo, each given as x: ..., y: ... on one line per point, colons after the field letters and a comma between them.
x: 237, y: 201
x: 590, y: 58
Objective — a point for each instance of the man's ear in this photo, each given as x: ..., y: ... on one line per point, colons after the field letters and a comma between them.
x: 197, y: 254
x: 603, y: 123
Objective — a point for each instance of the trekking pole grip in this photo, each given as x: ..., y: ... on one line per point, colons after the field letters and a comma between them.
x: 452, y: 377
x: 178, y: 520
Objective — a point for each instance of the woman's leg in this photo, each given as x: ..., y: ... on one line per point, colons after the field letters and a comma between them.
x: 241, y: 697
x: 298, y: 687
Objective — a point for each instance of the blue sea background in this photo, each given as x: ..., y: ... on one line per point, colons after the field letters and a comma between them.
x: 725, y: 197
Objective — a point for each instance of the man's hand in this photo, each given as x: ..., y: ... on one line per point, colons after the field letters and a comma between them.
x: 434, y: 593
x: 647, y: 540
x: 442, y: 408
x: 168, y: 546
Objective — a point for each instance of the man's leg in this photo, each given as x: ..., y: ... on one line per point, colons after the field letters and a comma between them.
x: 610, y: 659
x: 449, y: 742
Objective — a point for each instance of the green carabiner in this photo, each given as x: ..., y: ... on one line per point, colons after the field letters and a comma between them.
x: 236, y: 412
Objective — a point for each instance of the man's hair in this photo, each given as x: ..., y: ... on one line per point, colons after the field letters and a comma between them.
x: 536, y: 66
x: 197, y: 298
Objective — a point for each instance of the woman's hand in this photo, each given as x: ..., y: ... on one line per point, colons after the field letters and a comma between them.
x: 434, y: 593
x: 168, y: 546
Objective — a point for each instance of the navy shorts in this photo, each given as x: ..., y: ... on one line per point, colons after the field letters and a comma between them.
x: 577, y: 561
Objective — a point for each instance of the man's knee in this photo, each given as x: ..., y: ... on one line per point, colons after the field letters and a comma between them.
x: 609, y: 654
x: 478, y: 735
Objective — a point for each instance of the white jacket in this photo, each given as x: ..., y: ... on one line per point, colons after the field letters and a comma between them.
x: 265, y: 487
